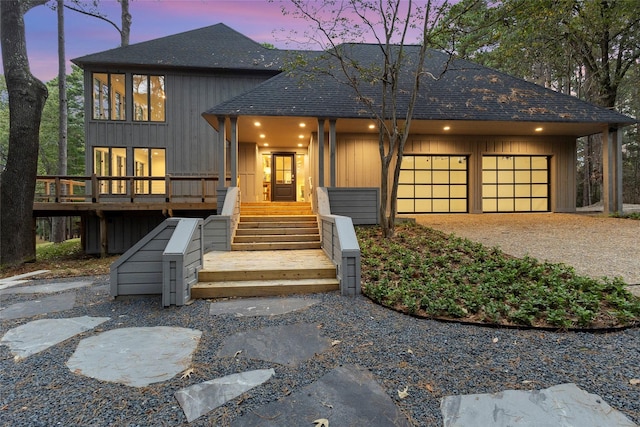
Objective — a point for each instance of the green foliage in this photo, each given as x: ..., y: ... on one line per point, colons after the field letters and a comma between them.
x: 49, y: 127
x: 56, y: 251
x: 422, y: 271
x: 630, y: 215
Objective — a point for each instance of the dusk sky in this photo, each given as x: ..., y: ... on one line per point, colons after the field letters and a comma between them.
x: 260, y: 20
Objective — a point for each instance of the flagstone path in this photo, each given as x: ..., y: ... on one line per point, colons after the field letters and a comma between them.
x: 346, y: 395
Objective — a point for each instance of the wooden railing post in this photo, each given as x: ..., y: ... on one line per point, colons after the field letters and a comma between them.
x: 168, y: 187
x: 131, y: 188
x: 95, y: 189
x: 57, y: 183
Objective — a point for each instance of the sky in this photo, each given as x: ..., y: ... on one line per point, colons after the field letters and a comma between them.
x: 260, y: 20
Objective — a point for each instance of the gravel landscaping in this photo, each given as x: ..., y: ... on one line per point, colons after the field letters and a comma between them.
x: 431, y: 359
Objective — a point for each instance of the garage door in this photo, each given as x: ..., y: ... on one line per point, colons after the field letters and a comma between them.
x: 433, y: 184
x: 515, y: 183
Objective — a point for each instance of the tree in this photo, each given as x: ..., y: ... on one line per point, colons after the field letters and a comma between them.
x: 59, y: 223
x: 581, y: 47
x: 26, y: 96
x: 396, y: 77
x: 91, y: 9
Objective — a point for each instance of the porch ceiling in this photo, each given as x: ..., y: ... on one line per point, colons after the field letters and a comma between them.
x: 288, y: 132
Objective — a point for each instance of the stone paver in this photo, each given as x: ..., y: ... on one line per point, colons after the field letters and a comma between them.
x: 135, y: 356
x: 260, y: 306
x: 47, y: 288
x: 201, y: 398
x: 33, y: 337
x: 561, y: 405
x: 287, y: 345
x: 50, y: 304
x: 346, y: 396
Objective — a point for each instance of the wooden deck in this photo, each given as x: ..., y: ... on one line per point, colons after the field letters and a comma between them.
x: 276, y: 251
x: 265, y: 273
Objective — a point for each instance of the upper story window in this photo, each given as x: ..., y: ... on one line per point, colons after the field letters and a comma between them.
x: 109, y: 100
x: 148, y: 98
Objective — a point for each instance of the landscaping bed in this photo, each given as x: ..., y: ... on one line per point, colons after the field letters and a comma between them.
x: 424, y: 272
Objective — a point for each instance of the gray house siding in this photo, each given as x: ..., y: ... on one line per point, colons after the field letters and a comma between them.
x: 124, y: 230
x: 358, y: 161
x: 360, y: 204
x: 141, y: 272
x: 187, y: 138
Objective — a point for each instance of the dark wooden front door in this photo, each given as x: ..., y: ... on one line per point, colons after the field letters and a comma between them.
x: 283, y: 177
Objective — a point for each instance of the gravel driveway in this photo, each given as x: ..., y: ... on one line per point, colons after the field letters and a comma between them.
x: 594, y: 245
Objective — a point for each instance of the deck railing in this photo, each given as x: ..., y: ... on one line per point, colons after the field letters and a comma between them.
x: 105, y: 189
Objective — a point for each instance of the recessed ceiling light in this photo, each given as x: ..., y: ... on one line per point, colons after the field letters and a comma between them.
x: 299, y: 145
x: 262, y: 135
x: 538, y: 129
x: 446, y: 128
x: 256, y: 124
x: 265, y: 144
x: 372, y: 126
x: 300, y: 136
x: 303, y: 125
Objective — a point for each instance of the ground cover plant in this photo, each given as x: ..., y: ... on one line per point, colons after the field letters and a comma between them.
x: 424, y: 272
x: 65, y: 259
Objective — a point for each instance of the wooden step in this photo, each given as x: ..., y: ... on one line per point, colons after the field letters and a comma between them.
x: 328, y: 272
x: 261, y: 288
x: 265, y: 238
x: 276, y: 211
x: 277, y: 218
x: 276, y: 224
x: 245, y: 274
x: 275, y: 231
x: 275, y: 246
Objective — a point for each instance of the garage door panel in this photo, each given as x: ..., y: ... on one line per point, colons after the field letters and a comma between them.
x: 406, y: 191
x: 432, y: 183
x: 515, y: 183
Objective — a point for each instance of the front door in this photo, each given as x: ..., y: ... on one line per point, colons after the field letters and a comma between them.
x: 283, y: 178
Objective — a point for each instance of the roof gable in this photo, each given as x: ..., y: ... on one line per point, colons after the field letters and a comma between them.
x: 213, y: 47
x: 466, y: 91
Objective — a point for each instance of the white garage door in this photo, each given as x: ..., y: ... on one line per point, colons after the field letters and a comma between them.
x: 433, y: 184
x: 515, y: 183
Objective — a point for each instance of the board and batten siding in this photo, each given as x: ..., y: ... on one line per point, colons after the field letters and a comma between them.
x: 249, y: 172
x: 358, y: 160
x: 123, y: 230
x: 187, y: 138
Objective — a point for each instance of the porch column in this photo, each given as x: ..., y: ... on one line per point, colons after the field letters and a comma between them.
x: 320, y: 153
x: 234, y: 152
x: 222, y: 152
x: 332, y: 152
x: 612, y: 170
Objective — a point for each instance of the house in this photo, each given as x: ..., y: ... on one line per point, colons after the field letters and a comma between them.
x: 481, y: 140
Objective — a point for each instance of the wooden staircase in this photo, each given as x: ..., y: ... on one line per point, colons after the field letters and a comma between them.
x: 276, y: 226
x: 291, y: 260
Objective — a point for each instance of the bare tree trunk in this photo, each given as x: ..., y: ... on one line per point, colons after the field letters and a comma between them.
x: 125, y: 29
x: 59, y: 223
x: 27, y: 96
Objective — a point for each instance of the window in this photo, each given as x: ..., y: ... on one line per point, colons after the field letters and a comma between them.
x: 515, y: 183
x: 149, y: 162
x: 432, y: 184
x: 109, y: 96
x: 110, y: 162
x: 148, y: 98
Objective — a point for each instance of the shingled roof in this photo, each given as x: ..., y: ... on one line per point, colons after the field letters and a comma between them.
x: 216, y: 47
x: 466, y: 91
